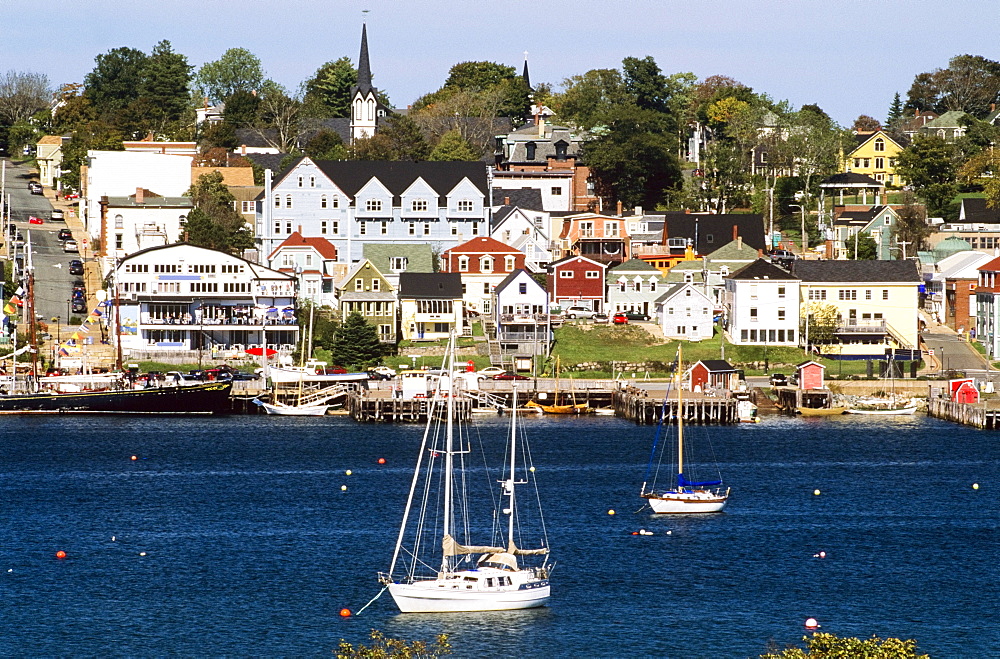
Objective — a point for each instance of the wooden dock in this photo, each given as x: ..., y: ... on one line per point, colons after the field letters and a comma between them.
x: 639, y: 407
x: 362, y: 407
x: 977, y: 415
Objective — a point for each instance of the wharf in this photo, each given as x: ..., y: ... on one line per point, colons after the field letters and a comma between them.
x: 642, y: 407
x: 367, y: 408
x: 978, y: 415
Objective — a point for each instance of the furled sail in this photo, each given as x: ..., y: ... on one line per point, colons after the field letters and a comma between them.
x: 683, y: 482
x: 452, y: 548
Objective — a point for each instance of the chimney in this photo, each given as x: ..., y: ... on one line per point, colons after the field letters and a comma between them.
x: 619, y: 209
x: 638, y: 211
x: 739, y: 242
x: 541, y: 126
x: 300, y: 229
x: 506, y: 201
x: 736, y: 232
x: 243, y: 149
x: 139, y: 192
x: 687, y: 211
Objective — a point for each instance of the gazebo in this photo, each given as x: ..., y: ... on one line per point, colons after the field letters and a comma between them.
x: 838, y: 183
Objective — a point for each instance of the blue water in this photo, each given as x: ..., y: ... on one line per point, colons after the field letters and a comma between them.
x: 251, y: 548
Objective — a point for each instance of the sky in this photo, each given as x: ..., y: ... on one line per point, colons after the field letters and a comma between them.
x: 849, y: 57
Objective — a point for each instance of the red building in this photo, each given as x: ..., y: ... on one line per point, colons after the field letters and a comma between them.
x: 576, y: 281
x: 483, y: 256
x: 712, y: 373
x: 810, y: 375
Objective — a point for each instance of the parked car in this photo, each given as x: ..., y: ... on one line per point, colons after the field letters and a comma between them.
x: 76, y: 267
x: 490, y: 371
x: 636, y: 315
x: 71, y: 247
x: 619, y: 319
x: 510, y: 375
x: 79, y: 306
x: 383, y: 370
x: 376, y: 375
x: 778, y: 379
x: 782, y: 256
x: 34, y: 187
x: 57, y: 215
x: 601, y: 318
x: 78, y: 285
x: 65, y: 234
x: 78, y: 295
x: 579, y: 312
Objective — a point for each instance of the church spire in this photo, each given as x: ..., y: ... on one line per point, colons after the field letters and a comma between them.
x: 364, y: 67
x: 524, y: 74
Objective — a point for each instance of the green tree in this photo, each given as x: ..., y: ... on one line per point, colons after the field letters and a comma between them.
x: 241, y: 109
x: 818, y: 322
x: 829, y: 646
x: 405, y: 138
x: 970, y: 83
x: 237, y: 70
x: 383, y: 647
x: 589, y: 98
x: 115, y: 82
x: 646, y: 83
x: 278, y: 117
x: 453, y: 147
x: 479, y: 77
x: 867, y: 248
x: 357, y: 343
x: 166, y: 80
x: 214, y: 222
x: 93, y: 135
x: 326, y: 145
x: 895, y: 112
x: 911, y: 225
x: 928, y: 164
x: 219, y: 134
x: 634, y: 159
x: 20, y: 135
x: 328, y: 92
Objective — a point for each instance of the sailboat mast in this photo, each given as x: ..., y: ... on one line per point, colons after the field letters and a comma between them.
x: 680, y: 416
x: 449, y: 443
x: 513, y: 462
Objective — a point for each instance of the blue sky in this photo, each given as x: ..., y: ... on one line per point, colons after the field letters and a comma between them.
x: 849, y: 57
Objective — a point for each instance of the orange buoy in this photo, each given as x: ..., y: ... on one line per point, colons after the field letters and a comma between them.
x: 381, y: 461
x: 812, y: 623
x: 135, y: 457
x: 345, y: 613
x: 60, y: 554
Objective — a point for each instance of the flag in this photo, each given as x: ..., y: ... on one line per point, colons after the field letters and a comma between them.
x: 9, y: 310
x: 84, y: 328
x: 64, y: 352
x: 20, y: 291
x: 76, y: 337
x: 97, y: 312
x: 14, y: 299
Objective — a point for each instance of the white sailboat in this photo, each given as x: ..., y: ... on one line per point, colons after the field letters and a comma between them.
x: 684, y: 495
x: 280, y: 409
x: 469, y: 577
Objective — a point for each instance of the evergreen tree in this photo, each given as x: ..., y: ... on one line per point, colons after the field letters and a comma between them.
x: 357, y: 343
x: 867, y: 248
x: 326, y: 145
x: 406, y: 141
x: 645, y: 81
x: 241, y: 109
x: 165, y: 82
x: 895, y: 112
x: 328, y: 92
x: 452, y: 147
x: 115, y: 81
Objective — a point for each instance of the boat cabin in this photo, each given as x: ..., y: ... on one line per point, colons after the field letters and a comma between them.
x: 413, y: 384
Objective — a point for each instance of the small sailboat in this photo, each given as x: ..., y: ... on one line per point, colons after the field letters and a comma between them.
x: 469, y: 577
x: 557, y: 408
x: 683, y: 495
x: 281, y: 409
x: 883, y: 406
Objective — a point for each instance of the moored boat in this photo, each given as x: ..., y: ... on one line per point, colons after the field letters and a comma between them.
x: 820, y: 411
x: 208, y: 398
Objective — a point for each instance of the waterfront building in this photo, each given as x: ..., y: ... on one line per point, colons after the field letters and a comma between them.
x: 634, y: 286
x: 522, y: 317
x: 483, y: 263
x: 367, y: 291
x: 141, y: 220
x: 761, y: 303
x: 392, y: 259
x: 685, y: 313
x: 313, y: 262
x: 576, y: 281
x: 430, y: 305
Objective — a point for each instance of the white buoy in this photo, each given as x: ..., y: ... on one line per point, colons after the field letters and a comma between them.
x: 531, y: 469
x: 348, y: 472
x: 343, y: 488
x: 669, y: 532
x: 975, y: 486
x: 611, y: 512
x: 816, y: 492
x: 113, y: 538
x: 142, y: 553
x: 812, y: 623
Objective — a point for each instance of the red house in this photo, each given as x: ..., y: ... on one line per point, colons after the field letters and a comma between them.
x: 714, y: 373
x: 483, y: 255
x: 810, y: 375
x: 576, y: 281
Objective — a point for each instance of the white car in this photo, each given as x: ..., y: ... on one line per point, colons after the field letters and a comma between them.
x: 383, y: 370
x: 490, y: 371
x: 71, y: 246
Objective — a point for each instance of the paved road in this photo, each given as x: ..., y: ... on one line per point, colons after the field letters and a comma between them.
x: 53, y: 283
x: 954, y: 354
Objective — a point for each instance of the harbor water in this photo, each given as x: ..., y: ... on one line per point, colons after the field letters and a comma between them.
x: 233, y: 536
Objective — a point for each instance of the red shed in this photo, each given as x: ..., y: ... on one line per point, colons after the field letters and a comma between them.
x: 715, y: 373
x: 810, y: 375
x: 964, y: 391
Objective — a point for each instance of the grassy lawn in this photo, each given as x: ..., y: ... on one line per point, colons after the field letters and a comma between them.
x: 588, y: 350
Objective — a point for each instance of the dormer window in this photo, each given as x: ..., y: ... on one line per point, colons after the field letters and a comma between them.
x: 466, y: 206
x: 561, y: 148
x: 529, y: 150
x: 463, y: 264
x: 879, y: 144
x: 486, y: 264
x: 509, y: 263
x: 688, y: 278
x: 418, y: 205
x: 373, y: 205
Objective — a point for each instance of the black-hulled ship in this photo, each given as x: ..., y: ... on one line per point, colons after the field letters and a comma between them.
x: 208, y: 398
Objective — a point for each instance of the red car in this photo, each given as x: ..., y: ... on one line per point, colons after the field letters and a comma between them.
x: 510, y: 375
x: 620, y: 319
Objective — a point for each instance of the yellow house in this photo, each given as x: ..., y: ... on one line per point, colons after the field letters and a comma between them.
x: 860, y: 309
x: 48, y: 154
x: 875, y: 156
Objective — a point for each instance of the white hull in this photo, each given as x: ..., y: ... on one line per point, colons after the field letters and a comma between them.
x: 448, y: 596
x: 699, y: 501
x: 294, y: 376
x: 911, y: 409
x: 292, y: 410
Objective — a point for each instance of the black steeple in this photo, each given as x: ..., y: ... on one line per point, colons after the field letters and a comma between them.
x: 524, y: 74
x: 364, y: 67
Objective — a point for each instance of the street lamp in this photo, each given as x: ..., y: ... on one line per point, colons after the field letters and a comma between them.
x: 55, y: 353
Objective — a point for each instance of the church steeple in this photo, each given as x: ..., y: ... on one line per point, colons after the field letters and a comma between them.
x: 524, y: 74
x: 364, y: 66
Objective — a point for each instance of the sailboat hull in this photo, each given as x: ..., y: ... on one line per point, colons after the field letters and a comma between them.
x: 698, y: 501
x: 439, y: 596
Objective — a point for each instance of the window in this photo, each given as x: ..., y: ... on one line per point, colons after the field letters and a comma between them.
x: 118, y: 241
x: 593, y: 274
x: 753, y: 314
x: 465, y: 206
x: 885, y: 293
x: 688, y: 278
x: 857, y: 162
x: 119, y: 222
x: 781, y: 292
x: 309, y: 259
x: 418, y: 205
x: 249, y: 207
x: 475, y: 228
x: 376, y: 285
x: 815, y: 294
x: 288, y: 227
x: 359, y: 284
x: 463, y: 264
x: 454, y: 229
x: 610, y: 228
x: 486, y: 288
x: 384, y: 228
x: 867, y: 162
x: 565, y: 274
x: 508, y: 263
x: 847, y: 294
x: 277, y: 202
x: 781, y: 314
x: 312, y: 181
x: 300, y: 181
x: 362, y: 228
x: 322, y: 201
x: 880, y: 163
x: 336, y: 227
x: 868, y: 293
x: 397, y: 263
x: 486, y: 264
x: 879, y: 144
x: 427, y: 228
x: 586, y: 229
x: 277, y: 228
x: 412, y: 228
x: 373, y: 205
x: 522, y: 288
x: 288, y: 201
x: 336, y: 201
x: 322, y: 227
x: 556, y: 191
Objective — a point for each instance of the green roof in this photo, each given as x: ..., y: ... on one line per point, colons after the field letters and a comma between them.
x: 732, y: 251
x: 633, y: 265
x: 950, y: 119
x: 419, y: 258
